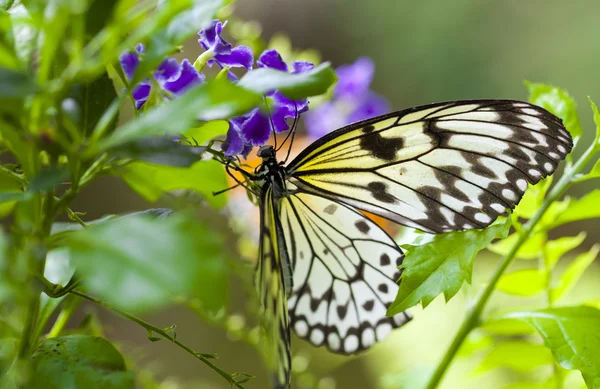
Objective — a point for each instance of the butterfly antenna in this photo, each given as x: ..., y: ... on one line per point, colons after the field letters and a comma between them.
x: 271, y: 121
x: 226, y: 189
x: 292, y: 133
x: 244, y: 184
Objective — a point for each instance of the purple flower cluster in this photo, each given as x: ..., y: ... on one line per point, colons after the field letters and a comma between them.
x: 352, y: 100
x: 171, y: 76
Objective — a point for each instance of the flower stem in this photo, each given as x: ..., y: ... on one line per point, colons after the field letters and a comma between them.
x: 474, y: 313
x: 164, y: 334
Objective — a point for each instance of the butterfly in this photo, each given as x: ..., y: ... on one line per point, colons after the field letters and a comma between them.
x: 325, y: 269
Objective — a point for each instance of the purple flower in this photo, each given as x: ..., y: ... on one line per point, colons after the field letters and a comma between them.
x: 223, y: 53
x: 352, y: 100
x: 254, y: 128
x: 170, y: 75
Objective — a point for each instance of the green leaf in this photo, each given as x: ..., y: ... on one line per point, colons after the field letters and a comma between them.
x: 580, y: 209
x: 531, y: 249
x: 555, y: 249
x: 159, y: 150
x: 595, y: 172
x: 570, y: 333
x: 211, y: 101
x: 526, y: 282
x: 559, y: 102
x: 138, y: 263
x: 207, y: 131
x: 533, y: 198
x: 295, y: 86
x: 442, y: 265
x: 9, y: 186
x: 79, y: 361
x: 597, y: 123
x: 506, y: 327
x: 152, y: 181
x: 517, y: 355
x: 573, y: 272
x: 548, y: 384
x: 475, y: 342
x: 49, y: 178
x: 92, y: 100
x: 15, y: 84
x: 195, y: 16
x: 8, y: 352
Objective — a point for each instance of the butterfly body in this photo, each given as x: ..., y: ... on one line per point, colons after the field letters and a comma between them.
x: 326, y: 270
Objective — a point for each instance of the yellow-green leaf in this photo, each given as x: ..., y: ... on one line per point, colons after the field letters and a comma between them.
x: 531, y: 249
x: 518, y: 355
x: 555, y: 249
x: 559, y: 102
x: 573, y: 272
x: 525, y: 282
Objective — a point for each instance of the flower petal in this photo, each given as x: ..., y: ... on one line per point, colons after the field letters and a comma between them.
x: 233, y: 144
x: 354, y: 80
x: 240, y: 56
x: 141, y: 93
x: 256, y: 130
x: 210, y: 38
x: 302, y: 66
x: 271, y: 59
x: 188, y: 77
x: 129, y: 61
x: 373, y: 105
x: 324, y: 119
x: 168, y: 70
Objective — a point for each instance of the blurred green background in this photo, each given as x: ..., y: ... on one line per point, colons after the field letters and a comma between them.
x: 424, y: 52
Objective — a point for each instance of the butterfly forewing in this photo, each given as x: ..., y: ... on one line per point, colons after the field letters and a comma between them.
x: 440, y: 167
x: 345, y: 271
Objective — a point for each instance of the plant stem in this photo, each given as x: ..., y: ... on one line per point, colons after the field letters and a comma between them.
x: 474, y: 313
x: 153, y: 329
x: 69, y: 306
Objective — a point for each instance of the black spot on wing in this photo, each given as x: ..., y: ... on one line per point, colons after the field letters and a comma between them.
x: 384, y: 260
x: 362, y: 226
x: 330, y: 209
x: 380, y: 147
x: 379, y: 192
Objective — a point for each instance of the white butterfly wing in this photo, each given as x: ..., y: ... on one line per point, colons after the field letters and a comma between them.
x: 440, y: 167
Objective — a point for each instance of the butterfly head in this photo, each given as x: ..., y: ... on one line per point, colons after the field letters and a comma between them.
x: 266, y: 153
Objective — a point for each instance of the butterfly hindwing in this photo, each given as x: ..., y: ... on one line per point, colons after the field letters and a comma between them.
x: 345, y: 271
x: 440, y: 167
x: 272, y: 290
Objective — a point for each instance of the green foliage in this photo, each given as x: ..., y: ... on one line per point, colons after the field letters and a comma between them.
x: 568, y: 333
x: 150, y: 261
x: 441, y: 266
x: 526, y: 282
x: 517, y: 355
x: 84, y: 362
x: 573, y: 272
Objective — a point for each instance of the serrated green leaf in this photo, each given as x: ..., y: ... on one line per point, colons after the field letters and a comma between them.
x: 138, y: 263
x: 531, y: 249
x: 517, y: 355
x: 442, y: 265
x: 83, y: 362
x: 152, y: 181
x: 560, y: 103
x: 525, y: 282
x: 295, y: 86
x: 211, y: 101
x: 207, y: 131
x: 573, y: 272
x: 579, y: 209
x: 570, y: 333
x: 555, y: 249
x: 159, y: 150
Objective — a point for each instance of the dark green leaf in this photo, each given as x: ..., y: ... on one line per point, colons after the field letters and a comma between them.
x: 571, y: 334
x: 525, y: 282
x: 559, y: 102
x: 518, y: 355
x: 138, y: 263
x: 15, y: 84
x: 49, y: 178
x: 295, y: 86
x: 159, y: 150
x: 10, y: 189
x: 79, y: 361
x: 8, y: 352
x: 442, y: 265
x: 211, y: 101
x: 573, y: 272
x: 153, y: 181
x: 97, y: 15
x: 195, y: 16
x: 14, y: 196
x: 92, y: 100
